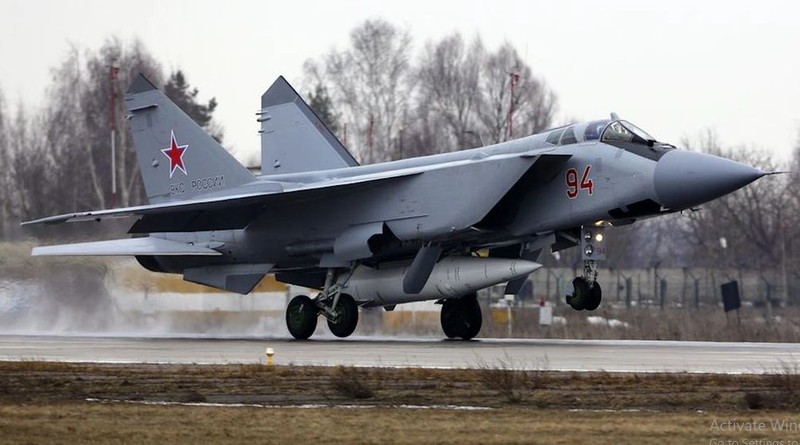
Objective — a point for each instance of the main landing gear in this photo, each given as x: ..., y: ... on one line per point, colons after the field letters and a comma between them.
x: 340, y: 309
x: 461, y: 317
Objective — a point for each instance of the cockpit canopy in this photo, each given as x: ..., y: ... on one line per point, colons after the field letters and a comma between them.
x: 604, y: 130
x: 619, y: 133
x: 624, y: 131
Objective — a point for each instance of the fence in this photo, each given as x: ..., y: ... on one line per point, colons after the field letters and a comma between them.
x: 676, y: 288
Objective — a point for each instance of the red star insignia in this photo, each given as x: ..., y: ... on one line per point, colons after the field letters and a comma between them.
x: 175, y: 154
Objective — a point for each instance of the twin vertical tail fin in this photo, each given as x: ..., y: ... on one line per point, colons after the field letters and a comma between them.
x: 177, y: 158
x: 293, y: 138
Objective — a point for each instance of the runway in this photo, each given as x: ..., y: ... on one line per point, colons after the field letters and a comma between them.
x: 563, y: 355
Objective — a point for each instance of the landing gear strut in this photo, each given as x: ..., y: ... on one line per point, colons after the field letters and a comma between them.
x: 587, y: 293
x: 340, y: 309
x: 461, y: 317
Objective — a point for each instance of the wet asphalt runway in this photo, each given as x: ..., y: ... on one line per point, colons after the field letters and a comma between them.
x: 566, y: 355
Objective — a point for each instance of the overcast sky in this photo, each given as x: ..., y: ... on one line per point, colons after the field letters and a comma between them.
x: 673, y: 68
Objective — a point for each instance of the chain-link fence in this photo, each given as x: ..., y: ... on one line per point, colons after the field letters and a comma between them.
x: 665, y: 288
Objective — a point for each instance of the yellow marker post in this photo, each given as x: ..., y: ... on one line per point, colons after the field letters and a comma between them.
x: 270, y: 353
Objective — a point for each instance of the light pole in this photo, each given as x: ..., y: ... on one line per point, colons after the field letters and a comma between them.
x: 113, y: 70
x: 400, y: 136
x: 514, y: 79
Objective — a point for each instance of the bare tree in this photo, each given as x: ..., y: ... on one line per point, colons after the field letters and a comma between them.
x: 62, y: 155
x: 449, y: 75
x: 96, y: 95
x: 458, y: 96
x: 422, y: 133
x: 85, y: 101
x: 505, y: 116
x: 369, y: 84
x: 6, y: 177
x: 35, y: 166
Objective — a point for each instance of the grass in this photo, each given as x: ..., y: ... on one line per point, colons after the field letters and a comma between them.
x: 351, y: 382
x: 129, y: 423
x: 43, y: 402
x: 511, y: 381
x: 496, y: 387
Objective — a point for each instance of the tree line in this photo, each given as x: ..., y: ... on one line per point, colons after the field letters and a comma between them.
x: 387, y: 102
x: 58, y: 159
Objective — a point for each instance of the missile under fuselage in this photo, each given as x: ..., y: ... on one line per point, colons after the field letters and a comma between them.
x: 452, y: 277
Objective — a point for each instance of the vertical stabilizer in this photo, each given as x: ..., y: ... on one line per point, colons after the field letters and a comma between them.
x: 177, y: 158
x: 293, y: 138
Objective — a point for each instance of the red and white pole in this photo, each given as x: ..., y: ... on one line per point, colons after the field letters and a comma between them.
x: 113, y: 70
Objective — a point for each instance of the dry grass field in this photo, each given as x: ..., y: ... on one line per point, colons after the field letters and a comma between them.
x: 86, y: 403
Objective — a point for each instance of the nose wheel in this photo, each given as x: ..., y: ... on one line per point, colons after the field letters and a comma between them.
x: 586, y: 291
x: 583, y: 296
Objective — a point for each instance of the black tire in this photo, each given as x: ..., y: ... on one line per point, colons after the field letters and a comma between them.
x: 580, y: 294
x: 449, y: 318
x: 347, y: 320
x: 594, y: 298
x: 301, y: 317
x: 471, y: 318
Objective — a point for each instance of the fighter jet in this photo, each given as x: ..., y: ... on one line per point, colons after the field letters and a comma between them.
x: 437, y: 227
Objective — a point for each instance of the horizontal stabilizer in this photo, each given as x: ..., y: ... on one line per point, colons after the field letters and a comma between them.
x: 130, y: 246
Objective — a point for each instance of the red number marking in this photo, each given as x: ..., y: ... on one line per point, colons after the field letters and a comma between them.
x: 572, y: 183
x: 573, y: 188
x: 586, y: 183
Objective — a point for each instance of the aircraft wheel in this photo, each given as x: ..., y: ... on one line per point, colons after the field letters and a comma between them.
x: 471, y: 318
x: 449, y: 318
x: 580, y: 295
x: 301, y: 317
x: 346, y: 321
x: 595, y: 296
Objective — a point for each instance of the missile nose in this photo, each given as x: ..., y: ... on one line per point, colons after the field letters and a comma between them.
x: 685, y: 178
x: 521, y: 268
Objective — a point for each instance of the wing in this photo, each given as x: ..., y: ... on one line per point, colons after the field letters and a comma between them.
x: 220, y: 212
x: 131, y: 246
x: 449, y: 179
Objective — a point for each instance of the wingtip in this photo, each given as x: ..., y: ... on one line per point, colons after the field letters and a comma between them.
x: 141, y: 84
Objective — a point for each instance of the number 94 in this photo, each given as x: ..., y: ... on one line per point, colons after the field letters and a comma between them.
x: 574, y: 187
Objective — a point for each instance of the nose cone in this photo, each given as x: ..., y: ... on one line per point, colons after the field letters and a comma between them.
x: 522, y: 268
x: 685, y: 178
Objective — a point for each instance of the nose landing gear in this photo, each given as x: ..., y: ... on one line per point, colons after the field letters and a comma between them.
x: 586, y: 293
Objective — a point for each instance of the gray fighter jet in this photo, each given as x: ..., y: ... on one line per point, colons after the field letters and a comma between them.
x: 436, y: 227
